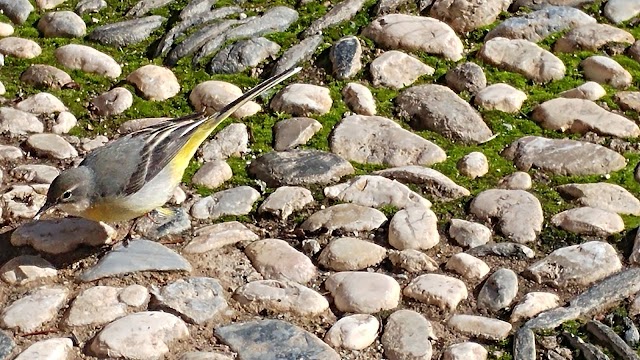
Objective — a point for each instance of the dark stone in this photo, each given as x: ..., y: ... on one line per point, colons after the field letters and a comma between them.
x: 505, y: 249
x: 273, y: 340
x: 384, y: 7
x: 499, y: 290
x: 345, y: 56
x: 466, y: 77
x: 524, y: 344
x: 242, y: 55
x: 296, y: 54
x: 16, y: 10
x: 631, y: 334
x: 299, y: 167
x: 605, y: 334
x: 127, y: 32
x: 45, y: 76
x: 589, y: 351
x: 6, y: 345
x: 342, y: 11
x: 196, y: 40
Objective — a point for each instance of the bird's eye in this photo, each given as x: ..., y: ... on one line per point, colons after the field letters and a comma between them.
x: 66, y: 195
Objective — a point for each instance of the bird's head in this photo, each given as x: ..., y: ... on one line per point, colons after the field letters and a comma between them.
x: 70, y: 192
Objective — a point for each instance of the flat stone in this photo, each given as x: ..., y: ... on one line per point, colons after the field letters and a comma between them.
x: 19, y: 47
x: 243, y: 55
x: 235, y: 201
x: 466, y: 16
x: 359, y: 99
x: 363, y: 292
x: 538, y: 25
x: 158, y: 224
x: 297, y: 54
x: 196, y: 8
x: 198, y: 300
x: 16, y: 10
x: 215, y: 95
x: 345, y: 56
x: 51, y: 146
x: 156, y: 83
x: 50, y: 349
x: 280, y: 296
x: 344, y: 217
x: 498, y: 291
x: 123, y: 338
x: 88, y: 145
x: 619, y: 11
x: 128, y: 32
x: 518, y: 180
x: 62, y: 24
x: 99, y: 305
x: 48, y: 4
x: 41, y: 103
x: 32, y: 311
x: 348, y: 254
x: 290, y: 133
x: 474, y: 164
x: 23, y: 201
x: 378, y: 140
x: 532, y: 304
x: 376, y: 191
x: 577, y: 115
x: 573, y: 265
x: 519, y: 213
x: 212, y: 174
x: 206, y: 355
x: 468, y: 77
x: 414, y: 228
x: 11, y: 153
x: 215, y: 236
x: 412, y: 261
x: 407, y: 335
x: 628, y: 100
x: 563, y: 156
x: 90, y: 6
x: 504, y: 249
x: 605, y: 70
x: 140, y: 255
x: 37, y: 173
x: 442, y: 291
x: 415, y: 33
x: 113, y: 102
x: 299, y: 167
x: 465, y: 351
x: 502, y: 97
x: 16, y: 122
x: 233, y: 140
x: 25, y: 269
x: 279, y: 339
x: 592, y: 37
x: 62, y: 235
x: 302, y: 100
x: 285, y: 200
x: 437, y: 108
x: 65, y: 121
x: 396, y: 69
x: 275, y: 259
x: 467, y: 266
x: 469, y: 234
x: 523, y: 57
x: 429, y: 180
x: 87, y: 59
x: 480, y: 327
x: 353, y: 332
x: 589, y: 221
x: 590, y: 90
x: 342, y: 11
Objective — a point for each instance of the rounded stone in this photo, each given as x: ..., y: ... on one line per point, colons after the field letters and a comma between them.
x: 51, y: 146
x: 19, y: 47
x: 353, y: 332
x: 467, y: 266
x: 302, y: 100
x: 156, y: 83
x: 363, y: 292
x: 213, y: 95
x: 499, y: 290
x: 473, y: 165
x: 62, y: 24
x: 344, y: 254
x: 113, y: 102
x: 276, y: 259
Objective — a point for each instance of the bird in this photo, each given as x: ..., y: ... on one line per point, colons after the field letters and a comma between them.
x: 137, y: 173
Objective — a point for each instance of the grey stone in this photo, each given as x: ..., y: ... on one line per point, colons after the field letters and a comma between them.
x: 539, y: 4
x: 581, y: 264
x: 139, y: 255
x: 45, y: 76
x: 276, y: 259
x: 297, y: 54
x: 378, y: 140
x: 143, y: 7
x: 605, y: 70
x: 299, y: 167
x: 290, y: 133
x: 376, y: 191
x: 467, y: 76
x: 126, y: 32
x: 519, y: 213
x: 345, y: 56
x: 156, y: 226
x: 523, y: 57
x: 346, y: 254
x: 563, y: 156
x: 499, y: 290
x: 359, y: 99
x: 429, y: 180
x: 233, y: 140
x: 480, y: 327
x: 363, y: 292
x: 196, y: 8
x: 212, y: 174
x: 606, y: 334
x: 280, y: 296
x: 62, y: 235
x: 51, y: 146
x: 384, y: 7
x: 621, y: 10
x: 235, y: 201
x: 302, y: 100
x: 407, y: 335
x: 342, y: 11
x: 19, y: 47
x: 467, y: 15
x: 285, y: 200
x: 242, y: 55
x: 16, y: 122
x: 99, y: 305
x: 344, y: 217
x: 6, y: 345
x: 540, y: 24
x: 504, y: 249
x: 206, y: 355
x: 16, y: 10
x: 396, y: 69
x: 437, y: 108
x: 87, y: 59
x: 197, y: 300
x: 90, y: 6
x: 592, y: 37
x: 469, y: 234
x: 628, y: 100
x: 273, y: 340
x: 415, y: 33
x: 589, y: 221
x: 38, y: 173
x: 62, y: 24
x: 215, y: 236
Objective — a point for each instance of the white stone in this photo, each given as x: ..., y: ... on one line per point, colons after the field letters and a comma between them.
x: 216, y: 236
x: 5, y: 29
x: 302, y: 100
x: 156, y: 83
x: 99, y: 305
x: 442, y: 291
x: 276, y: 259
x: 285, y: 200
x: 396, y: 69
x: 606, y: 71
x: 465, y: 351
x: 65, y: 121
x: 41, y: 103
x: 376, y: 191
x: 30, y: 312
x: 87, y: 59
x: 502, y: 97
x: 359, y: 99
x: 26, y: 268
x: 344, y: 254
x: 50, y: 349
x: 51, y: 146
x: 414, y: 228
x: 467, y: 266
x: 532, y: 304
x: 19, y: 47
x: 481, y: 327
x: 62, y: 235
x: 589, y: 221
x: 590, y: 90
x: 212, y: 174
x: 469, y: 234
x: 280, y: 296
x: 213, y: 95
x: 353, y: 332
x: 474, y: 164
x: 363, y: 292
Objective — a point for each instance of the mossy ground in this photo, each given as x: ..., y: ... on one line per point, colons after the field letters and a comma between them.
x: 509, y: 127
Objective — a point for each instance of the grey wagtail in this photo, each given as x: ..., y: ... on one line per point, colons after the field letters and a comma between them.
x: 137, y: 173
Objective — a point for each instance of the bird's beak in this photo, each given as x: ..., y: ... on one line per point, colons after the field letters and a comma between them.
x: 43, y: 209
